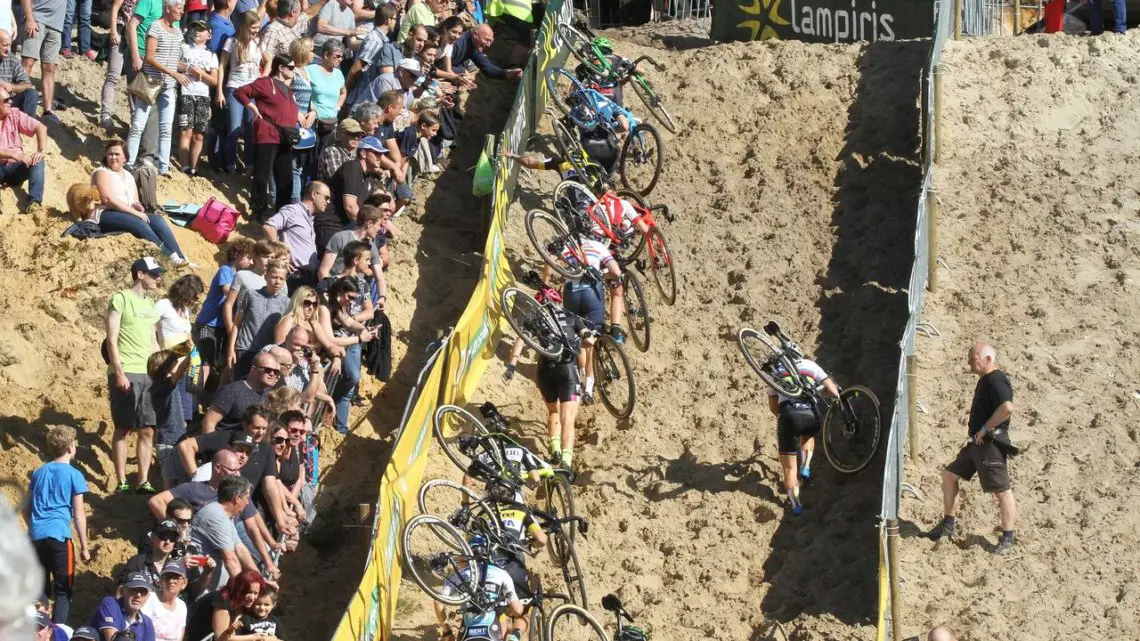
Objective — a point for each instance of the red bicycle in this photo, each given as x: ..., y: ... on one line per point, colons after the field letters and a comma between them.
x: 586, y: 227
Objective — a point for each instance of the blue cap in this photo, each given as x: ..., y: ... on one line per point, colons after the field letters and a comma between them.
x: 85, y: 632
x: 372, y: 143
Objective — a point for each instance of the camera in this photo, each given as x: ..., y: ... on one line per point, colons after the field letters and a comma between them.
x: 307, y: 351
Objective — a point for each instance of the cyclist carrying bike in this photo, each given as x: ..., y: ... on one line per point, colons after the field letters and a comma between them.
x: 520, y: 532
x: 798, y: 423
x: 520, y: 462
x: 480, y: 615
x: 558, y: 377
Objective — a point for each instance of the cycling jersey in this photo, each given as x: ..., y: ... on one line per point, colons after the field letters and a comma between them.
x: 572, y: 328
x: 618, y: 212
x: 598, y: 254
x: 518, y: 460
x: 609, y: 110
x: 498, y: 586
x: 808, y: 370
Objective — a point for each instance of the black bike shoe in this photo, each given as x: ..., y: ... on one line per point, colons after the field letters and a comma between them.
x: 945, y: 528
x: 587, y: 399
x: 617, y: 334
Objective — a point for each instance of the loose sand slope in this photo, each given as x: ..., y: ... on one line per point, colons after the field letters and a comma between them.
x: 791, y: 176
x: 1040, y: 235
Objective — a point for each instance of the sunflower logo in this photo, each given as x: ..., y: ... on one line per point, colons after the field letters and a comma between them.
x: 769, y: 13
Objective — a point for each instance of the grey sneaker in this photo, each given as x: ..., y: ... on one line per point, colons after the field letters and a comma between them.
x: 1004, y: 544
x: 945, y: 528
x: 107, y: 124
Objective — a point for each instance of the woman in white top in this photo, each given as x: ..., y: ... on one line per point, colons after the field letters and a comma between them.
x: 163, y: 50
x: 163, y: 606
x: 120, y: 209
x: 241, y: 65
x: 175, y: 315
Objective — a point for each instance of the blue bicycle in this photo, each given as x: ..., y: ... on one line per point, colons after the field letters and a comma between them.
x: 642, y: 154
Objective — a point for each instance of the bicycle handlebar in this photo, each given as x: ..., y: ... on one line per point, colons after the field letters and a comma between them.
x: 656, y: 65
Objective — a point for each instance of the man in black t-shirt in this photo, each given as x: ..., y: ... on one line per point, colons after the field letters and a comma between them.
x: 231, y: 402
x: 355, y: 181
x: 985, y: 453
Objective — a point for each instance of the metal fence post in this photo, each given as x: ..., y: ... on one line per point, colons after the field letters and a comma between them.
x: 893, y: 573
x: 957, y: 19
x: 932, y: 241
x: 1016, y: 17
x: 912, y: 405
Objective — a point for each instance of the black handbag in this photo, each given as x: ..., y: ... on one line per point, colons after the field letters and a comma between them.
x: 289, y: 135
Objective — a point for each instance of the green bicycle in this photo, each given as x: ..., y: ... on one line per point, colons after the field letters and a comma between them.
x: 595, y: 52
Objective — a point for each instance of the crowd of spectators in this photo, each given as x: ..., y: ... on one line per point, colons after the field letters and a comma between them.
x: 333, y: 109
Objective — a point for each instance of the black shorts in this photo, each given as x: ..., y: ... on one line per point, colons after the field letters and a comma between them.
x: 558, y: 382
x: 515, y: 567
x: 985, y: 460
x: 193, y: 113
x: 795, y: 421
x: 586, y: 298
x: 211, y: 342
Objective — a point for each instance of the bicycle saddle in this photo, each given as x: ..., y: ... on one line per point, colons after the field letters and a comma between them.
x: 612, y: 603
x: 772, y: 328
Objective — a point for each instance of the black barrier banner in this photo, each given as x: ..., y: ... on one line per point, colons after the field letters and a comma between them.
x: 822, y: 20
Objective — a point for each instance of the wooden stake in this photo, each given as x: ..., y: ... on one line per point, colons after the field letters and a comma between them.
x: 912, y: 405
x: 957, y: 19
x: 893, y: 574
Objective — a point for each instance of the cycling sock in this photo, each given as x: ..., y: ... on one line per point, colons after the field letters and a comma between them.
x: 567, y: 456
x: 948, y: 520
x: 589, y: 384
x: 805, y: 456
x: 1007, y: 535
x: 794, y: 496
x: 556, y: 444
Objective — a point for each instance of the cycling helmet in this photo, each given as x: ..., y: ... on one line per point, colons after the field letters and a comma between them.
x: 631, y: 633
x: 604, y: 45
x: 479, y: 545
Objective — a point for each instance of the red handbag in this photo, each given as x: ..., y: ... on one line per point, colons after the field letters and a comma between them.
x: 215, y: 221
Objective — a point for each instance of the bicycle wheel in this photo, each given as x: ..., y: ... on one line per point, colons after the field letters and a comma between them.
x: 560, y: 501
x: 770, y: 362
x: 460, y: 506
x: 614, y: 377
x: 653, y: 102
x: 555, y: 244
x: 434, y: 561
x: 581, y: 47
x: 635, y: 243
x: 532, y: 322
x: 636, y: 311
x: 563, y: 554
x: 572, y: 201
x: 639, y: 164
x: 569, y: 622
x: 451, y: 423
x: 851, y: 430
x: 661, y: 264
x: 569, y: 96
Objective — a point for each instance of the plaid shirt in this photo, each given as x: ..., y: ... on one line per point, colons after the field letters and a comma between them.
x: 12, y: 72
x: 330, y: 160
x: 278, y: 35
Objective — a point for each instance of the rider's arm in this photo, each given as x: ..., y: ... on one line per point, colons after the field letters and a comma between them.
x: 537, y: 534
x: 830, y: 388
x: 516, y: 352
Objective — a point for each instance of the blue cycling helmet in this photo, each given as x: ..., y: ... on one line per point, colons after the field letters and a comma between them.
x: 478, y: 543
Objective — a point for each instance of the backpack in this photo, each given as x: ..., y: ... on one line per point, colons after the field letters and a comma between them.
x: 215, y: 221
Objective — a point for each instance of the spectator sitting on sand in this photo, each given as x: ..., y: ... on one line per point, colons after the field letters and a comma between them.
x: 121, y: 210
x: 17, y: 167
x: 232, y: 401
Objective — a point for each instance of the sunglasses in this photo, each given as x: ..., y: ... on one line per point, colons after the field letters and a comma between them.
x: 309, y: 303
x: 296, y: 430
x: 169, y: 538
x: 290, y: 66
x: 280, y: 440
x: 182, y: 521
x: 269, y: 370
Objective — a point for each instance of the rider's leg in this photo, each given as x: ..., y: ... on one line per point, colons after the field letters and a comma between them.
x: 623, y: 124
x: 586, y: 364
x: 791, y: 482
x: 569, y: 413
x: 617, y: 293
x: 807, y: 449
x: 553, y: 428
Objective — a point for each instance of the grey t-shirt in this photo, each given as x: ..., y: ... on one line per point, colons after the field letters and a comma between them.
x: 48, y: 12
x: 246, y: 279
x: 214, y: 531
x: 384, y: 83
x: 341, y: 239
x: 336, y: 17
x: 199, y: 495
x: 261, y: 311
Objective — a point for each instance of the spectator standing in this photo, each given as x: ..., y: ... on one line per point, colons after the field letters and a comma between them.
x: 124, y: 613
x: 251, y: 278
x: 418, y: 13
x: 167, y: 372
x: 221, y: 30
x: 986, y: 452
x: 14, y: 79
x: 336, y: 22
x: 377, y: 54
x: 370, y: 225
x: 221, y: 26
x: 1119, y: 17
x: 241, y: 65
x: 16, y: 166
x: 328, y: 86
x: 56, y: 503
x: 218, y: 614
x: 261, y: 623
x: 214, y: 532
x: 131, y: 338
x: 255, y: 317
x: 304, y: 164
x: 163, y: 50
x: 201, y: 66
x: 119, y: 208
x: 165, y: 609
x: 145, y: 14
x: 472, y: 45
x: 121, y: 13
x: 43, y: 26
x: 941, y: 633
x: 354, y: 182
x: 291, y: 23
x: 302, y: 313
x: 403, y: 80
x: 210, y: 334
x: 270, y: 100
x: 232, y: 401
x: 305, y: 374
x: 293, y: 224
x: 78, y: 12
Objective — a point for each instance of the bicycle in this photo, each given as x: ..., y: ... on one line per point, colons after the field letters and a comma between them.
x: 851, y: 425
x: 582, y: 44
x: 538, y: 327
x: 642, y: 153
x: 464, y: 438
x: 610, y: 603
x: 578, y: 213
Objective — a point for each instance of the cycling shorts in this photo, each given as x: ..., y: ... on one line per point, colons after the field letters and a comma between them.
x: 587, y: 298
x: 558, y: 382
x: 796, y: 420
x: 516, y: 568
x: 598, y: 254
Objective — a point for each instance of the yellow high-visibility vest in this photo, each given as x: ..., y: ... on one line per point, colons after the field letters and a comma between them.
x: 520, y: 9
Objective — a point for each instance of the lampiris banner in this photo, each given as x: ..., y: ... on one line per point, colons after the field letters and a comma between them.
x: 831, y: 21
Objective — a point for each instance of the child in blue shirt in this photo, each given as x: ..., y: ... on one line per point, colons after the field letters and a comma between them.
x: 55, y: 502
